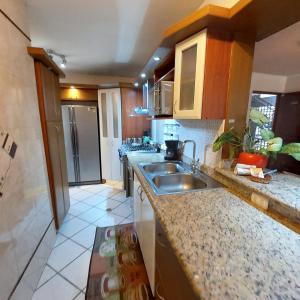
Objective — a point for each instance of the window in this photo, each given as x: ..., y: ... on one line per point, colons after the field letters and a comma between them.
x: 265, y: 103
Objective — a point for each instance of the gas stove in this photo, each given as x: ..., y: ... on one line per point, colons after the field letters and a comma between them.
x: 127, y: 169
x: 143, y: 148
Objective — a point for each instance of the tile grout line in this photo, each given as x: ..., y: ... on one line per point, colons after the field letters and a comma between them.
x: 59, y: 272
x: 88, y: 224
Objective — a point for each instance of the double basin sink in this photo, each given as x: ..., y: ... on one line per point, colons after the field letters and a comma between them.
x: 175, y: 177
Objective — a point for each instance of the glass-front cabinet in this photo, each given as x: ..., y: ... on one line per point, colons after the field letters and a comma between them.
x: 189, y: 77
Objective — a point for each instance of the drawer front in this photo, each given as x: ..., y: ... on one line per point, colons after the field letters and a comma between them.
x: 174, y: 283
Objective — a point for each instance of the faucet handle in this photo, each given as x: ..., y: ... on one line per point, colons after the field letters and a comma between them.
x: 197, y: 164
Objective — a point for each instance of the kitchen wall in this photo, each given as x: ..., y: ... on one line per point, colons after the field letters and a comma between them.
x: 292, y: 84
x: 79, y: 78
x: 203, y: 132
x: 275, y: 83
x: 25, y: 213
x: 268, y: 83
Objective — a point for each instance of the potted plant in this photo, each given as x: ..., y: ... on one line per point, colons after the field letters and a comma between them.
x: 247, y: 147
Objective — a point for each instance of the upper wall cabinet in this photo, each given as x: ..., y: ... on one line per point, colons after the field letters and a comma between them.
x: 201, y: 76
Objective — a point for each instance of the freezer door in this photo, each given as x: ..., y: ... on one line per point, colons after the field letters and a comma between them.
x: 69, y: 141
x: 86, y: 132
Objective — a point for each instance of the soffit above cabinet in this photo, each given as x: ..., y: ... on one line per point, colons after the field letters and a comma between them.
x: 256, y: 18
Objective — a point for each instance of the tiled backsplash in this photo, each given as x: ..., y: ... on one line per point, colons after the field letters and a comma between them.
x: 203, y: 132
x: 25, y: 211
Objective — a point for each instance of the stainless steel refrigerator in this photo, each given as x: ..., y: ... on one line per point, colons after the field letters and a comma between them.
x: 81, y: 131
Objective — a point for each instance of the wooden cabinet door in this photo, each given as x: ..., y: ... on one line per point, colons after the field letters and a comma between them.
x: 173, y: 284
x: 54, y: 149
x: 50, y: 86
x: 189, y: 77
x: 63, y: 167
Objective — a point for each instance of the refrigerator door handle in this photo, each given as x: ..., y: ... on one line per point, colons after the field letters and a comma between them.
x: 76, y: 146
x: 73, y: 140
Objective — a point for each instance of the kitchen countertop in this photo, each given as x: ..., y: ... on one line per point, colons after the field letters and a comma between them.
x: 283, y: 191
x: 228, y: 249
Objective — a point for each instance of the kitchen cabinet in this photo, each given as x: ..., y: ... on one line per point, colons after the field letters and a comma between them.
x: 47, y: 83
x: 201, y: 76
x: 170, y: 280
x: 144, y: 220
x: 133, y: 126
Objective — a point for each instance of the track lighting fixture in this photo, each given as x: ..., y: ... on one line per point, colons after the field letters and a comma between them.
x: 62, y: 57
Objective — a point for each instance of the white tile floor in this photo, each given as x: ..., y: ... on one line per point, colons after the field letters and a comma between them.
x: 65, y: 275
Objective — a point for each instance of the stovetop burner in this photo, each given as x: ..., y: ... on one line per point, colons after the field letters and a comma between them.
x: 125, y: 148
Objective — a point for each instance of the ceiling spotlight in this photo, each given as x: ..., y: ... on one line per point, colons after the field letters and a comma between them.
x: 143, y: 75
x: 56, y: 55
x: 136, y: 84
x: 63, y: 62
x: 156, y: 58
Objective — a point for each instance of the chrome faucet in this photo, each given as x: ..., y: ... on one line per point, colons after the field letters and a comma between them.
x: 194, y: 163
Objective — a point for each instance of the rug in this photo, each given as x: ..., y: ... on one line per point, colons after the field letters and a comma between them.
x: 117, y: 269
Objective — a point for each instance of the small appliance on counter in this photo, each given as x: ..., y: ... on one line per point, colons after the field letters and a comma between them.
x: 172, y: 151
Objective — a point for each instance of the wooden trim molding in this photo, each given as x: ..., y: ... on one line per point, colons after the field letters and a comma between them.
x: 41, y: 55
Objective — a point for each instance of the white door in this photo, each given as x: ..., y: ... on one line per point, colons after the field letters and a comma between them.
x: 110, y: 118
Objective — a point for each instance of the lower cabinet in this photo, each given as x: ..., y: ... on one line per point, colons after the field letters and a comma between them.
x: 170, y: 280
x: 144, y: 220
x: 166, y: 276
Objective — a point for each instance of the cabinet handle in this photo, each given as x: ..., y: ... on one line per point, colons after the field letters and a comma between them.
x: 142, y: 193
x: 160, y: 242
x: 157, y: 293
x: 139, y: 190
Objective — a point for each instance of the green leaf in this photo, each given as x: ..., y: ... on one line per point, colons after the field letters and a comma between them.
x: 264, y: 151
x: 217, y: 145
x: 258, y: 117
x: 296, y: 156
x: 231, y: 152
x: 267, y: 134
x: 227, y: 138
x: 275, y: 144
x: 291, y: 148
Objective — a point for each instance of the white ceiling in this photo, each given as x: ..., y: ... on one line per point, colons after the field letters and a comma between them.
x: 104, y: 37
x: 279, y: 54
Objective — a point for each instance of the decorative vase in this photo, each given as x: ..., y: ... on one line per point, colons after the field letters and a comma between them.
x: 259, y: 160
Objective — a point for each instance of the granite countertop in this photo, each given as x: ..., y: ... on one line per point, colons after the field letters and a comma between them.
x: 283, y: 189
x: 228, y: 249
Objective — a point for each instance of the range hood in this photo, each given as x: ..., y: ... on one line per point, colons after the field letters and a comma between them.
x: 140, y: 110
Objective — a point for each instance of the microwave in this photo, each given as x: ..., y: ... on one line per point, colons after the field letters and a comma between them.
x: 163, y: 93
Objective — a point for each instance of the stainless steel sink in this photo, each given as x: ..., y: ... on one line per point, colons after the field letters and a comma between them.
x: 178, y: 183
x: 175, y: 177
x: 164, y: 167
